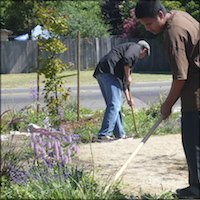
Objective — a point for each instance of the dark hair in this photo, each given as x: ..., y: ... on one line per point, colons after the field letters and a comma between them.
x: 148, y: 8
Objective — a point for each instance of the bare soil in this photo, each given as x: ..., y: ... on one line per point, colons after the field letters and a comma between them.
x: 158, y: 167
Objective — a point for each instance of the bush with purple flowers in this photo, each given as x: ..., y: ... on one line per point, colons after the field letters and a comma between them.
x: 50, y: 172
x: 43, y: 167
x: 53, y: 147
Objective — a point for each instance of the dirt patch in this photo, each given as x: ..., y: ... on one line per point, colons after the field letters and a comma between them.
x: 158, y: 167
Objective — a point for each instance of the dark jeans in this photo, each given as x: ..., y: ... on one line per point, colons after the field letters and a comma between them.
x: 191, y: 145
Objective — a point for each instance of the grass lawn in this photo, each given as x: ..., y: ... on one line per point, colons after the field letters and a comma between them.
x: 86, y: 78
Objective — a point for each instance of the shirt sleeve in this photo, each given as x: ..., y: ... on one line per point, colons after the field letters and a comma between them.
x: 131, y: 55
x: 177, y: 56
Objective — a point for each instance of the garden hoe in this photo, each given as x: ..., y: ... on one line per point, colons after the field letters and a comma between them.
x: 132, y: 110
x: 146, y: 137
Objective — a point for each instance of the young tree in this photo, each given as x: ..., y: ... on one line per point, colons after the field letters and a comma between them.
x: 55, y: 93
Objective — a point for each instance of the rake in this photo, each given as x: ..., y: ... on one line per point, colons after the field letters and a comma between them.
x: 146, y: 137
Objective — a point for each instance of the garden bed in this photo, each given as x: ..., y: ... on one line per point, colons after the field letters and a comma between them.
x: 158, y: 167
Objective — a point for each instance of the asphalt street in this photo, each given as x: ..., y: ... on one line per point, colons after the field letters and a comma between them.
x: 143, y: 94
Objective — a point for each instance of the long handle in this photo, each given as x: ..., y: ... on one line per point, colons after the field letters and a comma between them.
x: 119, y: 173
x: 132, y: 110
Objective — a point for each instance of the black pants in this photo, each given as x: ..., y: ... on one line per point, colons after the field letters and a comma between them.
x: 191, y: 144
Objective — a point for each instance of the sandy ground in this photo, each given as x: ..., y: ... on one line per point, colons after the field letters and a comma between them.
x: 158, y: 167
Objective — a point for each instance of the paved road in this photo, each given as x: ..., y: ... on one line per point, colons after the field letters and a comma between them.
x: 90, y: 96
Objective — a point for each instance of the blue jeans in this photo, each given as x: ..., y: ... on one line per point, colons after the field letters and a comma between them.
x: 191, y: 145
x: 112, y: 93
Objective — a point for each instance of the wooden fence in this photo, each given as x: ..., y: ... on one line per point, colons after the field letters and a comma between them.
x: 22, y: 56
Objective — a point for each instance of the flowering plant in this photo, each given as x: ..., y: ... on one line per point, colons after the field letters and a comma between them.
x: 52, y: 147
x: 52, y: 152
x: 130, y: 25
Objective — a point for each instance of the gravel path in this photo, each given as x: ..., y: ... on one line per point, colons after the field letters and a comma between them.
x: 158, y: 167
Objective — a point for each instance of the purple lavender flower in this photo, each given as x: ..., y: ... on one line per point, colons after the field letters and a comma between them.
x: 66, y: 159
x: 17, y: 176
x: 46, y: 123
x: 33, y: 90
x: 36, y: 151
x: 57, y: 150
x: 75, y: 137
x: 49, y: 147
x: 49, y: 144
x: 68, y: 154
x: 74, y: 148
x: 40, y: 141
x: 62, y: 130
x: 69, y: 137
x: 32, y: 145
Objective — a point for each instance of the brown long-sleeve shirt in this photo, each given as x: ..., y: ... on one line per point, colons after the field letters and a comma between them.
x: 181, y: 41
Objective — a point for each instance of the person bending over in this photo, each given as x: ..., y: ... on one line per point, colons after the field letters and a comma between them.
x: 180, y: 33
x: 113, y: 74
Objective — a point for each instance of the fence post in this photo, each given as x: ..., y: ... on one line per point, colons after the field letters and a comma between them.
x: 38, y: 82
x: 78, y: 76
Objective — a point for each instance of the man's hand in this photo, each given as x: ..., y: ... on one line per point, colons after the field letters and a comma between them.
x: 165, y: 110
x: 174, y: 93
x: 130, y: 102
x: 129, y: 98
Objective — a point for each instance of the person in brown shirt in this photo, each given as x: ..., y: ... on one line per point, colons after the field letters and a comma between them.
x: 181, y: 34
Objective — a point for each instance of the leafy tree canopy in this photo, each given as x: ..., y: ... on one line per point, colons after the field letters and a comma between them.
x: 91, y: 18
x: 20, y: 16
x: 112, y: 15
x: 86, y: 17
